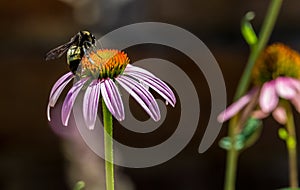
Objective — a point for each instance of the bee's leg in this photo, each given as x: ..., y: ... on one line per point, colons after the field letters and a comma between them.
x: 94, y: 48
x: 87, y: 54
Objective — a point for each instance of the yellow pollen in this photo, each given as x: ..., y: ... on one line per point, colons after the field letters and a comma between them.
x: 275, y: 61
x: 104, y: 63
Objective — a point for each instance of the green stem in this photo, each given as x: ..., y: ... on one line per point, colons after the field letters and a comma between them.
x: 108, y: 147
x: 291, y: 144
x: 264, y: 36
x: 266, y: 30
x: 232, y: 158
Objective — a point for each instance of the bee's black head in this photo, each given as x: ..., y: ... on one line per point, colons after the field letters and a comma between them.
x: 87, y: 38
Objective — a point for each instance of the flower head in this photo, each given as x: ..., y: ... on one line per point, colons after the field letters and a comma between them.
x: 100, y: 74
x: 275, y: 77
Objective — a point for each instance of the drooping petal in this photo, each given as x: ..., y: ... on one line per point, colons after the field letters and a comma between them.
x: 90, y: 103
x: 268, y: 98
x: 57, y: 89
x: 295, y: 83
x: 70, y: 99
x: 296, y: 102
x: 155, y: 83
x: 130, y: 68
x: 259, y: 114
x: 141, y: 95
x: 285, y: 87
x: 279, y: 115
x: 236, y: 106
x: 112, y: 99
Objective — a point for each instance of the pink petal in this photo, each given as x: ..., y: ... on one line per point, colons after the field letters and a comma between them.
x: 236, y: 106
x: 131, y: 68
x: 155, y: 83
x: 279, y: 115
x: 112, y: 99
x: 296, y: 102
x: 268, y: 98
x: 141, y: 95
x: 70, y: 99
x: 259, y: 114
x: 57, y: 89
x: 295, y: 83
x: 90, y: 103
x: 285, y: 87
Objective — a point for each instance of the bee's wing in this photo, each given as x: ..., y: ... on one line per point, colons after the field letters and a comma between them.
x: 57, y: 52
x: 60, y: 50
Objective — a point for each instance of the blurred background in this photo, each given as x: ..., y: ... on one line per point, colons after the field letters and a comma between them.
x: 34, y: 155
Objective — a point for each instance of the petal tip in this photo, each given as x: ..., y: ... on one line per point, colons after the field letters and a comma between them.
x: 91, y: 127
x: 48, y: 113
x: 221, y: 118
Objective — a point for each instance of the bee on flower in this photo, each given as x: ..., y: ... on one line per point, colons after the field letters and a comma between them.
x: 100, y: 74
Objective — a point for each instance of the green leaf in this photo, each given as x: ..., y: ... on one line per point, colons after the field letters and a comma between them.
x: 225, y: 143
x: 79, y: 185
x: 252, y: 131
x: 246, y: 137
x: 247, y: 29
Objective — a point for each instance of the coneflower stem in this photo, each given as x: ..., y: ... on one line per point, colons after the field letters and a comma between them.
x: 266, y: 30
x: 291, y: 144
x: 108, y: 147
x: 232, y: 157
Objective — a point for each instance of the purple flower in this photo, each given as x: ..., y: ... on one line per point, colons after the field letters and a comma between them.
x: 100, y: 75
x: 276, y: 77
x: 268, y: 99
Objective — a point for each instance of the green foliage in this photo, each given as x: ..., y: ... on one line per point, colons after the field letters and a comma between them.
x: 247, y: 29
x: 282, y: 133
x: 79, y: 185
x: 246, y: 137
x: 290, y: 141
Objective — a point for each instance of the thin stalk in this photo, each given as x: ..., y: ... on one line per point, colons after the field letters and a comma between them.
x: 264, y: 36
x: 291, y: 144
x: 266, y: 30
x: 108, y: 147
x: 232, y: 157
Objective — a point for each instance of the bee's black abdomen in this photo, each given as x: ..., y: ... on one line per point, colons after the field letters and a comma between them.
x: 74, y: 65
x: 74, y: 55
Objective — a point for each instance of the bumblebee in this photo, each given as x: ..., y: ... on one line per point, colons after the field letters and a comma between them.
x: 75, y: 48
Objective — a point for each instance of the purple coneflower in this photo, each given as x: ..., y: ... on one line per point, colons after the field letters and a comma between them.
x: 276, y: 77
x: 100, y: 75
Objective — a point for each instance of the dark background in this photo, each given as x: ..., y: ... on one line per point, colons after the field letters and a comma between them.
x: 34, y: 157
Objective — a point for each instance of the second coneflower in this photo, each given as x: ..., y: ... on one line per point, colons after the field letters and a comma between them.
x: 275, y: 77
x: 276, y: 82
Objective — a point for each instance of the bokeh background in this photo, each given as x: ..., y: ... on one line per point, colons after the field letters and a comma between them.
x: 35, y: 156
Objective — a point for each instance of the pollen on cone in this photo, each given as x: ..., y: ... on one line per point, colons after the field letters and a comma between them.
x: 104, y: 63
x: 275, y: 61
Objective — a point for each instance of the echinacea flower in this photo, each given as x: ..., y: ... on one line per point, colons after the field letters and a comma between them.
x: 275, y: 77
x: 100, y: 75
